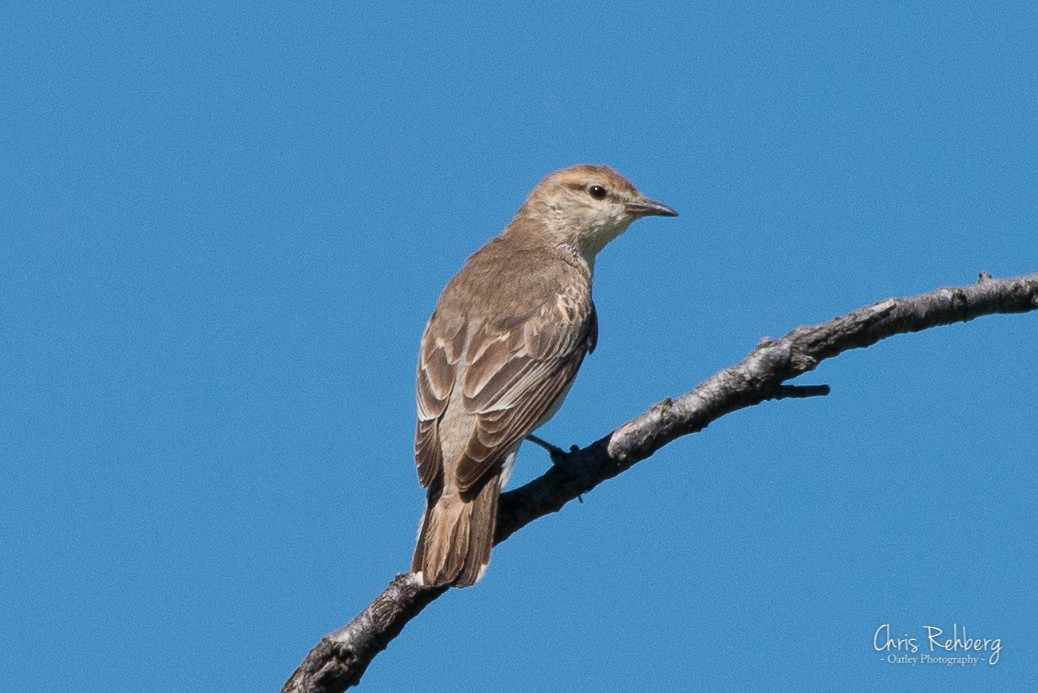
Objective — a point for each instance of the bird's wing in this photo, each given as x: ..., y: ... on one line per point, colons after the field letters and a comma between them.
x: 515, y: 373
x: 442, y: 345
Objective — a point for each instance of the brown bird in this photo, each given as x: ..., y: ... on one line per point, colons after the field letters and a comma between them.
x: 500, y: 353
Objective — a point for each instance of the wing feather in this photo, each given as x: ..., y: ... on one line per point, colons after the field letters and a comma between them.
x: 515, y: 377
x: 442, y: 345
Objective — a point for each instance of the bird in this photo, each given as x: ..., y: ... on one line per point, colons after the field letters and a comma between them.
x: 500, y: 353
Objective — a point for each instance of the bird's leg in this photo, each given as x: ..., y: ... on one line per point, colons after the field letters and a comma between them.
x: 556, y: 453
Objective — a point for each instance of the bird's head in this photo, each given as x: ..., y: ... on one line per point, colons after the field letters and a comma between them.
x: 586, y: 206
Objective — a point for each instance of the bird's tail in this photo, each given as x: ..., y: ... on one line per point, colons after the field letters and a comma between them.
x: 456, y: 535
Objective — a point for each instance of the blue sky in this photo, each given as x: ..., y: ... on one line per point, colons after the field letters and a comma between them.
x: 222, y: 231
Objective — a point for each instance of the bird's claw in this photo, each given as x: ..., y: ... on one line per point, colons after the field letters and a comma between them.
x: 557, y: 454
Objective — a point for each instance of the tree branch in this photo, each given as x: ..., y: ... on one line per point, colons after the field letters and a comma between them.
x: 340, y: 659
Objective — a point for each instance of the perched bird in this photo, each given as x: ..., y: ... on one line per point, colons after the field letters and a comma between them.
x: 500, y: 353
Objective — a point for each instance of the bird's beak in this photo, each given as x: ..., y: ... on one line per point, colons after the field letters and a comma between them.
x: 646, y: 208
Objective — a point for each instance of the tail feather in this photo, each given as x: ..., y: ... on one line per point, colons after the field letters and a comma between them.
x: 456, y: 535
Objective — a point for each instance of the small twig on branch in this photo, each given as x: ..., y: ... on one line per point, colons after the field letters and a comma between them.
x: 800, y: 391
x: 340, y: 659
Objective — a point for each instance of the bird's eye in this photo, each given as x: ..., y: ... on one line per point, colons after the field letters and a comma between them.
x: 597, y: 192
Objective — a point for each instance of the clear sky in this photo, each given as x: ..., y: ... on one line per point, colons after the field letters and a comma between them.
x: 222, y: 231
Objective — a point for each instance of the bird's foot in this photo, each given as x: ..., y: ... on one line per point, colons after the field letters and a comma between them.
x: 557, y: 454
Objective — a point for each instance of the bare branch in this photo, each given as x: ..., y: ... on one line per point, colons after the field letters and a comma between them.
x: 341, y: 658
